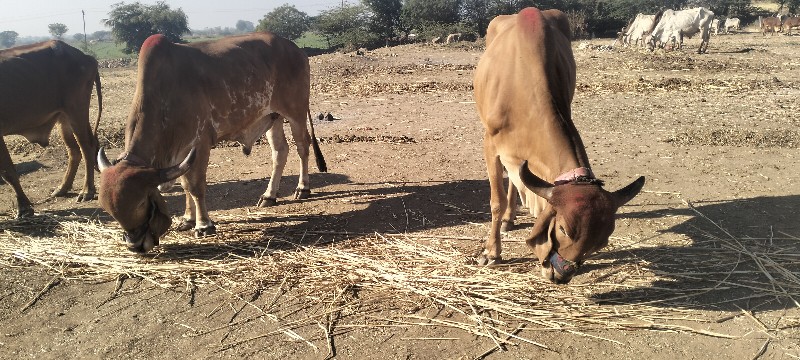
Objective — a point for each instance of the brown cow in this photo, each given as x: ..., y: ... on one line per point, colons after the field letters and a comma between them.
x: 772, y: 24
x: 41, y: 85
x: 524, y: 84
x: 789, y: 23
x: 190, y: 97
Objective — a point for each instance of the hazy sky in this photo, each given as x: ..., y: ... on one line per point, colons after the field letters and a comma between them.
x: 31, y: 17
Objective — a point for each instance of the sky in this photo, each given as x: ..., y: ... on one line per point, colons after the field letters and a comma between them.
x: 31, y: 17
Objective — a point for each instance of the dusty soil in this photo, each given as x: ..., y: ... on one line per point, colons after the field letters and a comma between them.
x: 716, y: 135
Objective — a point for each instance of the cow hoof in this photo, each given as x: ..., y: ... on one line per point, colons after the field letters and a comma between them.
x: 25, y: 213
x: 209, y: 230
x: 59, y: 192
x: 267, y: 201
x: 506, y: 226
x: 185, y: 225
x: 85, y: 196
x: 300, y: 194
x: 484, y: 260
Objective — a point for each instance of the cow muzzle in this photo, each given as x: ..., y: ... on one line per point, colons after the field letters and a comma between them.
x: 142, y: 239
x: 560, y: 270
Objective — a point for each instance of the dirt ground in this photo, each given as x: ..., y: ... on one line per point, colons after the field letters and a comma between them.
x: 704, y: 264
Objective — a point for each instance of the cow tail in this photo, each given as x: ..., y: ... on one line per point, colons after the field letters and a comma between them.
x: 321, y: 165
x: 99, y: 106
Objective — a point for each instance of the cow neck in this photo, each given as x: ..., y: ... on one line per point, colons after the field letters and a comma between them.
x: 573, y: 175
x: 132, y: 158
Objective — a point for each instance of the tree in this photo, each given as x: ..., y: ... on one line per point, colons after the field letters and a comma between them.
x: 385, y: 20
x: 346, y: 26
x: 77, y: 37
x: 244, y: 26
x: 57, y: 30
x: 132, y: 24
x: 285, y: 21
x: 417, y: 12
x: 8, y: 38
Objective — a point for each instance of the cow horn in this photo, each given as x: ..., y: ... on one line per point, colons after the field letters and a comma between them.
x: 172, y: 173
x: 534, y: 183
x: 102, y: 160
x: 627, y: 193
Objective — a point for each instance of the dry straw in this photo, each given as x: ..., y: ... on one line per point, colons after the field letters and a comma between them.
x: 417, y: 272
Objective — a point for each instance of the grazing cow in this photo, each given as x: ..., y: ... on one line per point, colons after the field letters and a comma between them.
x: 771, y: 23
x: 188, y: 98
x: 453, y: 38
x: 524, y: 84
x: 41, y: 85
x: 715, y: 26
x: 732, y: 23
x: 789, y: 23
x: 674, y: 25
x: 638, y: 29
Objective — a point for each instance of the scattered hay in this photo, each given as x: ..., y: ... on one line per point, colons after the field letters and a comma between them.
x: 413, y: 272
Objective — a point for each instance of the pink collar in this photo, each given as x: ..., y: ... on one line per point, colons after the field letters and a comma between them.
x: 573, y: 175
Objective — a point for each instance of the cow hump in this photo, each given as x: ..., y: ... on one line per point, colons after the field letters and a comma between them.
x: 153, y: 40
x: 530, y: 17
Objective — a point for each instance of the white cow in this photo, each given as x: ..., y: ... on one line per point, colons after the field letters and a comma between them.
x: 674, y: 25
x: 732, y: 23
x: 638, y: 29
x: 715, y: 26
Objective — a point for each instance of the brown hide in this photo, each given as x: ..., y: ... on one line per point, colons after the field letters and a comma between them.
x: 195, y: 95
x: 524, y: 84
x: 41, y: 85
x: 772, y: 24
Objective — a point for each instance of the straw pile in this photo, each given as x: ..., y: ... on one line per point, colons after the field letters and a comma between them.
x: 411, y: 272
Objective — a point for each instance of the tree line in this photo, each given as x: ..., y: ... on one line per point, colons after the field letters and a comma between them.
x: 372, y: 23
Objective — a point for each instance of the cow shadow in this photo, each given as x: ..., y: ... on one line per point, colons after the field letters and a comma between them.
x: 741, y: 254
x: 384, y: 207
x: 25, y: 167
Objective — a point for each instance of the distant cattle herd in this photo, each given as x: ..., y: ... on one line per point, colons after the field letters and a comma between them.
x: 670, y: 26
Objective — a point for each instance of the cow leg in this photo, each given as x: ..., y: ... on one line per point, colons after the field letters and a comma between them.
x: 303, y: 140
x: 498, y: 203
x: 81, y: 131
x: 73, y: 160
x: 280, y: 153
x: 9, y: 174
x: 507, y: 224
x: 194, y: 184
x: 188, y: 219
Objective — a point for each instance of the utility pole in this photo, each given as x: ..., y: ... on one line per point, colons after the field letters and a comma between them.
x: 85, y: 44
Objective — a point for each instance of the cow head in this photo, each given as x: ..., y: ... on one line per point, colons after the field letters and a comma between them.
x: 128, y: 191
x: 577, y: 221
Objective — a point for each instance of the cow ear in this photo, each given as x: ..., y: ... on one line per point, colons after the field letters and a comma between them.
x: 172, y: 173
x: 622, y: 196
x: 534, y: 183
x: 102, y: 160
x: 539, y: 240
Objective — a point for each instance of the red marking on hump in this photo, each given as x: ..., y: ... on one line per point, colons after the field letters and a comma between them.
x: 153, y: 40
x: 530, y: 16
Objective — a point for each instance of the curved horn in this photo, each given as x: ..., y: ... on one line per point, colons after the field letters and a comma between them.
x: 627, y: 193
x: 172, y: 173
x: 534, y: 183
x: 102, y: 160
